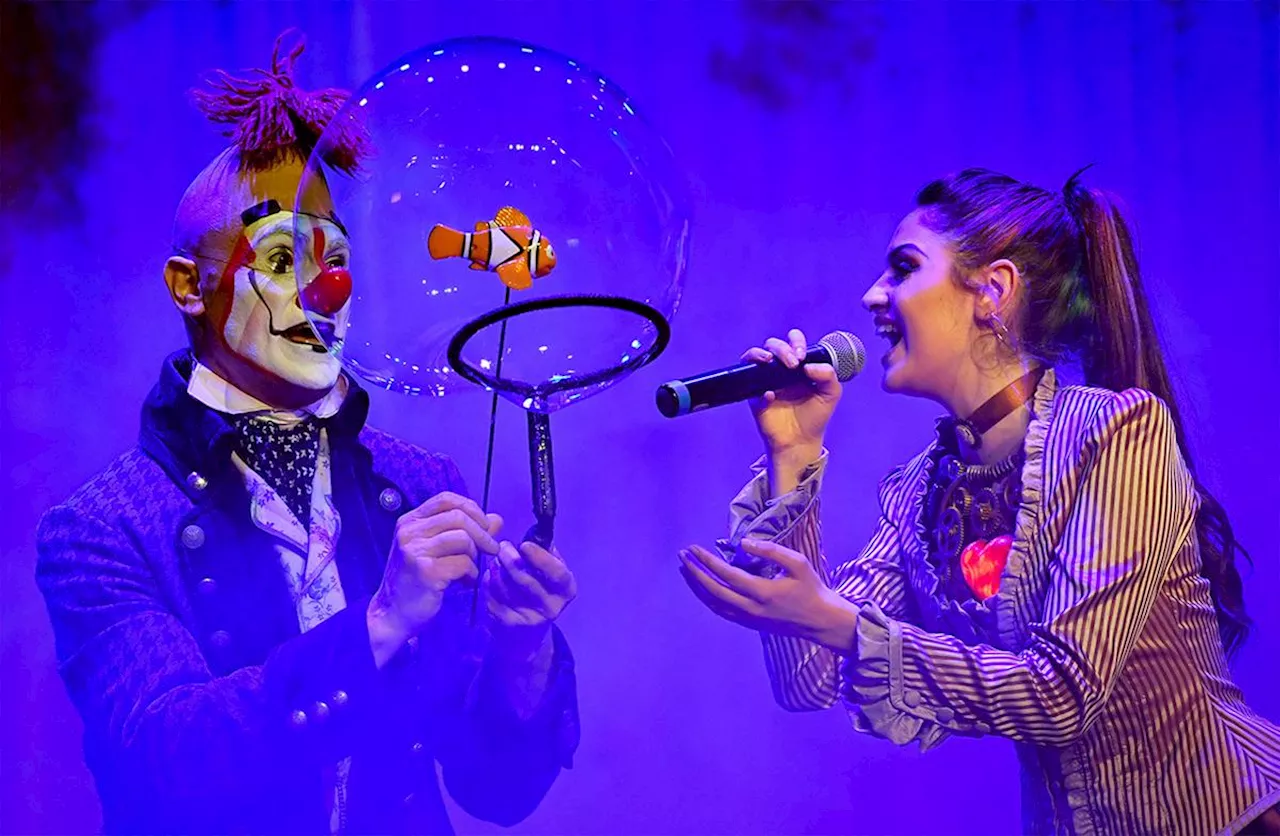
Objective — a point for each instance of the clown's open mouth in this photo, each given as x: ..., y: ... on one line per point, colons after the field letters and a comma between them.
x: 304, y: 334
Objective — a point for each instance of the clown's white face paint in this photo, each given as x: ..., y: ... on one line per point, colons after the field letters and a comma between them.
x: 264, y: 323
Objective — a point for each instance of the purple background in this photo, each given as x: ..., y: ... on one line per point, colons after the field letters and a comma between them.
x: 805, y: 130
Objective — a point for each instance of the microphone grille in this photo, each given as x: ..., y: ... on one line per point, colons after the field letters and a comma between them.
x: 847, y: 353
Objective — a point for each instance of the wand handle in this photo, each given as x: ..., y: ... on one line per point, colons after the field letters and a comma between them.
x: 543, y: 478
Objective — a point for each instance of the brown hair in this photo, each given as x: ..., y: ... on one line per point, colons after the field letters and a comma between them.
x: 1081, y: 299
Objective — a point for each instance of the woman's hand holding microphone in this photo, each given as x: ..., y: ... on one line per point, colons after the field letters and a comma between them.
x: 793, y: 421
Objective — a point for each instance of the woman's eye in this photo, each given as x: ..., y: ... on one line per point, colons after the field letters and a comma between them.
x: 280, y: 261
x: 902, y: 269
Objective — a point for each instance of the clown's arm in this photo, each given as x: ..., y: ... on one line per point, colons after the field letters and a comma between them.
x: 516, y: 726
x: 159, y: 725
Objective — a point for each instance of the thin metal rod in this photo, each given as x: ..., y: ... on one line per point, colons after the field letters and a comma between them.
x: 488, y: 461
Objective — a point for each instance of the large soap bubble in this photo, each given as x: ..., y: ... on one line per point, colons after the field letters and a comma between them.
x: 515, y: 209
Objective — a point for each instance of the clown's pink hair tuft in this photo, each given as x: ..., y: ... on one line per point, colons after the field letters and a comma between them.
x: 271, y: 119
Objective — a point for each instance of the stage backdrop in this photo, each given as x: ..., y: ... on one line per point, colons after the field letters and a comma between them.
x: 805, y: 129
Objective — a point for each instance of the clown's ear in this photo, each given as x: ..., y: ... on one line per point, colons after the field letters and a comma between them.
x: 183, y: 278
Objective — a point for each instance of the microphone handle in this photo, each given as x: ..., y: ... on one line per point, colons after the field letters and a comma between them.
x: 733, y: 384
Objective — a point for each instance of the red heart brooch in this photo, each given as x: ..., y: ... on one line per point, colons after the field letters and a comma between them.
x: 982, y: 562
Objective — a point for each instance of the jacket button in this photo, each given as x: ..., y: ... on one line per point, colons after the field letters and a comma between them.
x: 945, y: 715
x: 320, y: 711
x: 207, y: 586
x: 389, y: 499
x: 417, y: 747
x: 339, y: 699
x: 298, y: 719
x: 220, y: 639
x: 911, y: 698
x: 197, y: 482
x: 193, y: 536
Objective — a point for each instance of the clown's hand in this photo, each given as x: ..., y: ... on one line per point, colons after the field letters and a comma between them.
x: 435, y: 546
x: 525, y: 591
x: 795, y: 603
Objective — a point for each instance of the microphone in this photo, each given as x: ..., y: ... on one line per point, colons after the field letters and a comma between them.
x: 841, y: 349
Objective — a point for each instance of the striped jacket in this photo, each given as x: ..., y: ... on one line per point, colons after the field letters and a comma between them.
x: 1099, y: 656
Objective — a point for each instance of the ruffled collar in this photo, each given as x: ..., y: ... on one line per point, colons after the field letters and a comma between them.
x: 972, y: 620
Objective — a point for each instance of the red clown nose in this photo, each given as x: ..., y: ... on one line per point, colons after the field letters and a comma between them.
x: 328, y: 292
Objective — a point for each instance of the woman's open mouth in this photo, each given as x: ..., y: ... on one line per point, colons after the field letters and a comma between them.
x: 889, y: 331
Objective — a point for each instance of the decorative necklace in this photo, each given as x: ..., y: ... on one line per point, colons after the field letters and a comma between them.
x: 997, y: 408
x: 972, y: 508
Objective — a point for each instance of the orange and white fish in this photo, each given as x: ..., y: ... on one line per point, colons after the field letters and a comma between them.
x: 507, y: 245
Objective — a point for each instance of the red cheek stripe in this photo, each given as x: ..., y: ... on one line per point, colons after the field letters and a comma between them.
x: 241, y: 256
x: 319, y: 242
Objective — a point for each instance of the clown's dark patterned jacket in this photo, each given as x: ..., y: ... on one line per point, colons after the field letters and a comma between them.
x: 206, y: 709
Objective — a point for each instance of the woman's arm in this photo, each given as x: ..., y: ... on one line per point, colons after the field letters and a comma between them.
x: 804, y: 675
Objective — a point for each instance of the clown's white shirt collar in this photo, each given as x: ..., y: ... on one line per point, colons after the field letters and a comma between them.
x: 217, y: 394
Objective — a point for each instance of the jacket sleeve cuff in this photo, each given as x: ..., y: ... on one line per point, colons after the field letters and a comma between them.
x: 871, y: 685
x: 553, y: 725
x: 756, y: 515
x: 329, y: 689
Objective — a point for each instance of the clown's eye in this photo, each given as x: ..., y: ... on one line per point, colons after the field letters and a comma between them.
x: 336, y: 260
x: 280, y: 260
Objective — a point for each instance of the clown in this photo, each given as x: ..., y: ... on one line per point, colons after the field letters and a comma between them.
x: 253, y: 607
x: 233, y: 273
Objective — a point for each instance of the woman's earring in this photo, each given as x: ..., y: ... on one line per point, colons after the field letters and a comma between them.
x: 1001, y: 332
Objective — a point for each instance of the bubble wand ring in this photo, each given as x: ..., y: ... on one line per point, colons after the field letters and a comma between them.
x: 542, y: 471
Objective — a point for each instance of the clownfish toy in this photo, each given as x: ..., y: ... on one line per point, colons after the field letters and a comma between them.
x: 507, y: 245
